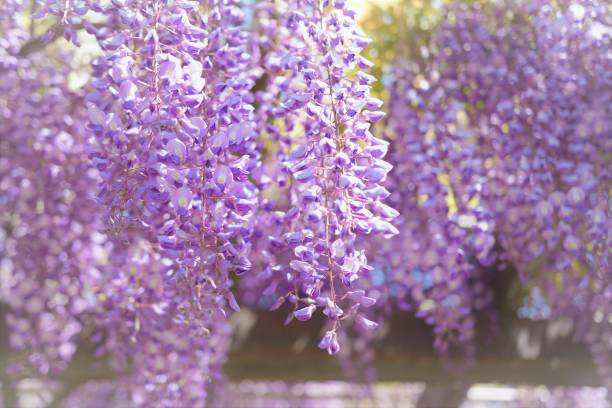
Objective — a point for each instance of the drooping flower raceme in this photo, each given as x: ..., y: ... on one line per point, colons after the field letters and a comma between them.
x: 516, y: 132
x: 45, y: 201
x: 542, y: 142
x: 222, y: 145
x: 174, y: 140
x: 330, y: 165
x: 445, y: 239
x: 66, y: 276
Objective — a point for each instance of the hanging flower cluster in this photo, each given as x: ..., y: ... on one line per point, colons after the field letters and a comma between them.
x: 446, y: 239
x: 173, y: 142
x: 49, y: 233
x: 173, y: 139
x: 330, y: 167
x: 543, y: 142
x: 47, y: 229
x: 66, y: 277
x: 505, y: 139
x: 218, y: 146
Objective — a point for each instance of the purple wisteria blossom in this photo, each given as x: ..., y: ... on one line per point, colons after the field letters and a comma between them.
x: 501, y: 155
x: 223, y: 154
x: 318, y: 110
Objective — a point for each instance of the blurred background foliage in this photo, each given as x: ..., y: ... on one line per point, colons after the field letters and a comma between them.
x: 402, y: 29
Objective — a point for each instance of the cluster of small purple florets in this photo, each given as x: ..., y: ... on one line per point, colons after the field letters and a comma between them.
x: 505, y: 140
x: 168, y: 131
x: 49, y: 232
x: 208, y: 146
x: 329, y: 167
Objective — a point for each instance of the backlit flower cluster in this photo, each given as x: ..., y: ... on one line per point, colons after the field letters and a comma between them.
x: 330, y: 167
x: 508, y: 131
x: 157, y: 168
x: 47, y: 228
x: 445, y: 241
x: 174, y: 141
x: 44, y: 174
x: 223, y: 152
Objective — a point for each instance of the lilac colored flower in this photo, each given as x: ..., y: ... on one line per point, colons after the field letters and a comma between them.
x: 305, y: 313
x: 366, y: 323
x: 332, y: 162
x: 206, y: 150
x: 330, y: 343
x: 181, y: 199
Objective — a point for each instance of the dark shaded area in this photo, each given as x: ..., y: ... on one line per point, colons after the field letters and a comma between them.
x: 406, y: 354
